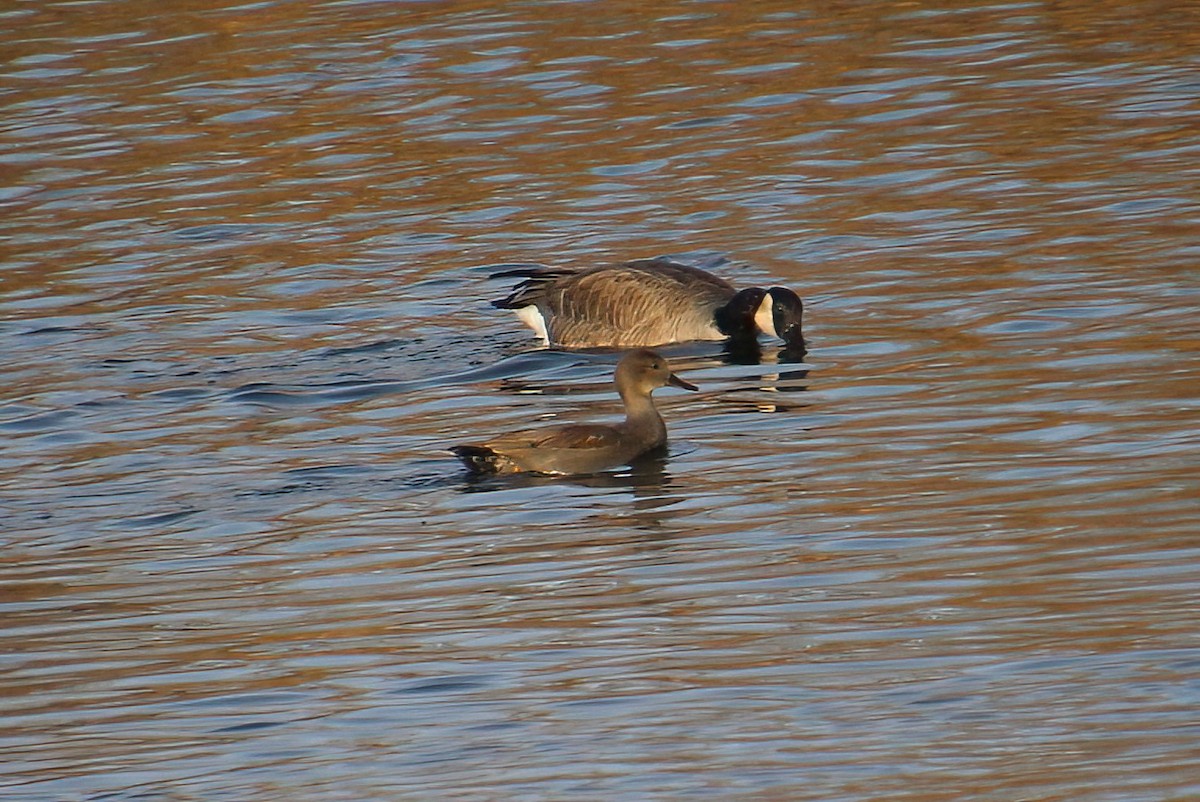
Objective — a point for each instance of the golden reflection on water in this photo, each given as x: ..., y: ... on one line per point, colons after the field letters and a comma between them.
x: 243, y: 311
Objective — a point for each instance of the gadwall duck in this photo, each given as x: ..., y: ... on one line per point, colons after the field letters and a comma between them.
x: 587, y: 448
x: 647, y: 302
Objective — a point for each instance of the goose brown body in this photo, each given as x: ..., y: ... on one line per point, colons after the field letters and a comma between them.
x: 587, y: 448
x: 647, y: 302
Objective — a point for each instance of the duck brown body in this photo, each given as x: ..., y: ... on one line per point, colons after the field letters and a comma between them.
x: 587, y: 448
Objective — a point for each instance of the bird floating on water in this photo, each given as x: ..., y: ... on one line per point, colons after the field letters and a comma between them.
x: 587, y: 448
x: 647, y: 302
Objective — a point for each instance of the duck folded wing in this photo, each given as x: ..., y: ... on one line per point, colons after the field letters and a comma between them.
x: 581, y: 436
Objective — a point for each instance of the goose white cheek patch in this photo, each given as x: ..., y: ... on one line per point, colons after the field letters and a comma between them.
x: 764, y: 318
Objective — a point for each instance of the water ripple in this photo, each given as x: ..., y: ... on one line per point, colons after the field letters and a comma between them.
x: 244, y: 311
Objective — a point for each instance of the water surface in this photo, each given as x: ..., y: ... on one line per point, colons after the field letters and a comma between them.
x: 950, y: 554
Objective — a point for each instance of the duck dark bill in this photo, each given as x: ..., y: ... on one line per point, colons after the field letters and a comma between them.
x: 675, y: 381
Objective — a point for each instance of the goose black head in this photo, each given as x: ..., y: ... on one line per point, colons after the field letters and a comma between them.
x: 786, y: 313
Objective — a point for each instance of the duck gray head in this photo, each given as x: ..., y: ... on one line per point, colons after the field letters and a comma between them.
x: 641, y: 371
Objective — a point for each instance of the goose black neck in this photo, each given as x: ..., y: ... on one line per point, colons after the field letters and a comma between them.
x: 736, y: 318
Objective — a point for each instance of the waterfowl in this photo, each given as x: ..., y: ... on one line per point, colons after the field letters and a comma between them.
x: 647, y: 302
x: 587, y: 448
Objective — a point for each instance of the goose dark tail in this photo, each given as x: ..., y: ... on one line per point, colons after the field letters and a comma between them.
x: 528, y: 291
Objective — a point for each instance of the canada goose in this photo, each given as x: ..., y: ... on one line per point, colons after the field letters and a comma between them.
x: 647, y: 302
x: 587, y: 448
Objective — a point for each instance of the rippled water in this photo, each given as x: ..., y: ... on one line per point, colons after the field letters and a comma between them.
x: 953, y: 554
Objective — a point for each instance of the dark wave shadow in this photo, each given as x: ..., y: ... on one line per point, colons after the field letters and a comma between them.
x: 514, y: 367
